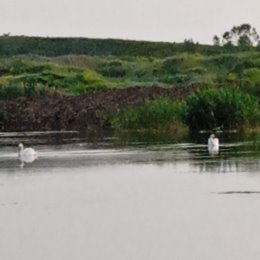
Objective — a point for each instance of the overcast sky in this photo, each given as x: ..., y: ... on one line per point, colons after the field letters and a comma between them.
x: 156, y: 20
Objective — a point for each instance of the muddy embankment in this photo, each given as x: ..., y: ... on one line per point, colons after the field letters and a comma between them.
x: 82, y: 113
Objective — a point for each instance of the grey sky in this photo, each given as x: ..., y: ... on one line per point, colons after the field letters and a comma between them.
x: 157, y: 20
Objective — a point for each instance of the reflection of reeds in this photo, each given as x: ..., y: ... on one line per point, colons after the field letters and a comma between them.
x: 173, y: 133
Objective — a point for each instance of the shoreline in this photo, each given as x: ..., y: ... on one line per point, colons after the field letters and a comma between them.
x: 85, y: 112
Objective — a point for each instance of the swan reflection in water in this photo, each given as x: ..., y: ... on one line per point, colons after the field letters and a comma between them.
x: 213, y: 145
x: 26, y: 155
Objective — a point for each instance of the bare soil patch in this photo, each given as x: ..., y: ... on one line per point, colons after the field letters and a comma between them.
x: 83, y: 112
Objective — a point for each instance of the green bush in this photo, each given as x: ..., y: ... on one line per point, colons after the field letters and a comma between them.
x: 226, y: 61
x: 177, y: 79
x: 114, y: 69
x: 232, y: 108
x: 253, y: 75
x: 171, y: 65
x: 91, y: 77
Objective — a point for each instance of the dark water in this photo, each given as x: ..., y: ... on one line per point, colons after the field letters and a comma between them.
x: 103, y: 201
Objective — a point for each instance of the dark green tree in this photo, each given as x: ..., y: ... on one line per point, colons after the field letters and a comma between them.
x: 243, y: 35
x: 216, y: 40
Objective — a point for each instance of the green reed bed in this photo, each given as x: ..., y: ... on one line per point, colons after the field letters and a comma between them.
x: 206, y: 109
x: 150, y: 114
x: 228, y: 107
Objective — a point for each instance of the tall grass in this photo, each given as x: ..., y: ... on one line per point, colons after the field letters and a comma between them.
x: 150, y: 114
x: 206, y: 109
x: 229, y: 107
x: 13, y: 91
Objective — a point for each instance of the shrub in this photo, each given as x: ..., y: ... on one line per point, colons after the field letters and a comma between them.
x: 226, y: 61
x: 91, y: 77
x: 253, y: 76
x: 171, y: 65
x: 114, y: 69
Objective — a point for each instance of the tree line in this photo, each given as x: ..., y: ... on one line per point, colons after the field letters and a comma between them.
x: 243, y: 36
x: 240, y: 36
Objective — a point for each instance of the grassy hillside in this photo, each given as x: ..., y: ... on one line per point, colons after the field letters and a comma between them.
x: 23, y: 45
x: 76, y: 74
x: 32, y: 66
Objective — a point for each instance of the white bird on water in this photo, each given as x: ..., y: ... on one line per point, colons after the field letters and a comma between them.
x: 26, y: 155
x: 213, y: 144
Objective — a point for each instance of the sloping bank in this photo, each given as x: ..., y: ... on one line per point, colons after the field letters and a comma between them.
x: 82, y: 113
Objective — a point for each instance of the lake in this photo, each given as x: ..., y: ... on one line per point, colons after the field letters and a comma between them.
x: 100, y: 201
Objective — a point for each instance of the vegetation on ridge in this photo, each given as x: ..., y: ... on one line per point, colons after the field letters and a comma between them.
x: 228, y: 73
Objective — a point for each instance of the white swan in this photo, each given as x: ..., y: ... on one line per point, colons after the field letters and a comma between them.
x: 213, y: 144
x: 26, y: 155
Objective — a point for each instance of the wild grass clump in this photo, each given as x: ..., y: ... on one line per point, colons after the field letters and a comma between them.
x: 85, y: 88
x: 13, y: 91
x: 150, y: 114
x: 230, y: 108
x: 206, y: 109
x: 113, y: 69
x: 253, y: 75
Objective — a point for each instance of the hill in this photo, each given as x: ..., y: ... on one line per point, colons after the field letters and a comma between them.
x: 34, y: 67
x: 45, y: 46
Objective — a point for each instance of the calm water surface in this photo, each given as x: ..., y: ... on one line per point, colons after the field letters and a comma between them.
x: 79, y: 201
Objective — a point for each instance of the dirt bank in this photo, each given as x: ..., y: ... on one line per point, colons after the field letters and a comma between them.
x: 82, y: 112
